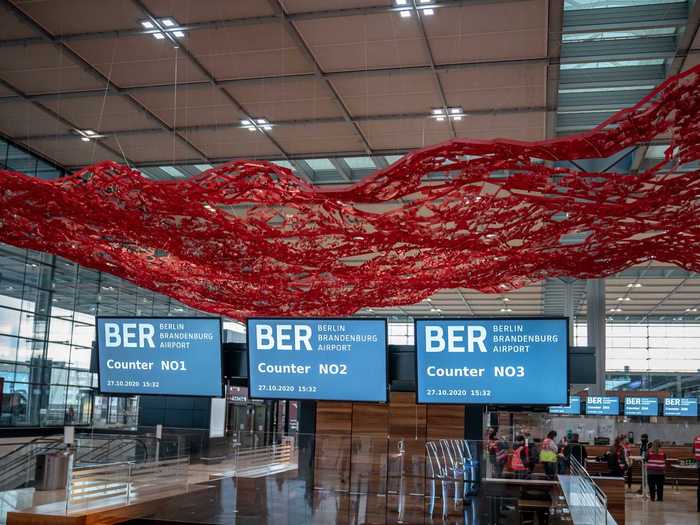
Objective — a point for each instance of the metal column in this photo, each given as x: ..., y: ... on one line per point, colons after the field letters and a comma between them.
x: 595, y: 299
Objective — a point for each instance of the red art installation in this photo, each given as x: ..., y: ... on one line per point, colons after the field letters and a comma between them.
x: 249, y: 238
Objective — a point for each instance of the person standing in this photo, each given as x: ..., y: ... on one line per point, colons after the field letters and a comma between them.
x: 498, y: 452
x: 656, y: 471
x: 616, y: 459
x: 575, y: 450
x: 520, y: 461
x: 548, y: 455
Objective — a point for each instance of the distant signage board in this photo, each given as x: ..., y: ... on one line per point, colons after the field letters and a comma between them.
x: 681, y: 406
x: 165, y: 356
x: 602, y: 406
x: 319, y: 359
x: 572, y: 409
x: 507, y: 361
x: 641, y: 406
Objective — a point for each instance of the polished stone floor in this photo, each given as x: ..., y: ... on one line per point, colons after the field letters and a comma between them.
x: 678, y: 508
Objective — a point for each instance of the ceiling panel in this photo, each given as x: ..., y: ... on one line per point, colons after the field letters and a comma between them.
x: 513, y: 126
x: 20, y: 118
x: 488, y: 31
x: 233, y: 142
x: 296, y: 6
x: 405, y: 133
x: 77, y: 16
x: 152, y: 146
x: 13, y: 27
x: 317, y: 138
x: 71, y: 151
x: 286, y: 99
x: 42, y: 68
x: 190, y: 11
x: 388, y: 94
x: 100, y: 113
x: 489, y: 87
x: 137, y: 60
x: 196, y: 105
x: 247, y: 51
x: 364, y: 42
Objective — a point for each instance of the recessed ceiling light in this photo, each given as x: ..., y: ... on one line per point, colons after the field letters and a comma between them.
x: 424, y: 1
x: 89, y: 132
x: 506, y: 299
x: 620, y: 298
x: 405, y: 14
x: 428, y: 12
x: 167, y: 22
x: 267, y: 128
x: 634, y: 285
x: 458, y: 117
x: 147, y: 24
x: 85, y: 139
x: 455, y: 111
x: 251, y: 128
x: 438, y: 111
x: 245, y: 122
x: 435, y: 310
x: 179, y: 34
x: 261, y: 121
x: 440, y: 119
x: 158, y: 36
x: 401, y: 2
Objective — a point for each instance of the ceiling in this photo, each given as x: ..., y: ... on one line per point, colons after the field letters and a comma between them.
x: 344, y: 87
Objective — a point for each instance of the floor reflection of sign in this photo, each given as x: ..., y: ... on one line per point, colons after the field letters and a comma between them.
x: 237, y: 394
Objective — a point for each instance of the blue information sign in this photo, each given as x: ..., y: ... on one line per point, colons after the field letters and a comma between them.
x: 681, y: 406
x: 641, y: 406
x: 320, y: 359
x: 572, y: 409
x: 492, y: 361
x: 602, y: 406
x: 167, y: 356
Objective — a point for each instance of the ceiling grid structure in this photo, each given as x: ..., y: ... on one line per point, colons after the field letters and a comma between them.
x: 347, y: 88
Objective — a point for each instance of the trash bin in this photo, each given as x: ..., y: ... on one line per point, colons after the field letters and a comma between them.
x: 51, y: 471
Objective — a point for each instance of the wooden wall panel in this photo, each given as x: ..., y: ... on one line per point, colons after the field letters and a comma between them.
x: 614, y: 489
x: 445, y: 421
x: 333, y: 445
x: 370, y: 426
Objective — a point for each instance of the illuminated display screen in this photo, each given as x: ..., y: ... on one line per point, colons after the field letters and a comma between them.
x: 492, y: 361
x: 165, y: 356
x: 320, y: 359
x: 602, y: 406
x: 681, y: 406
x: 573, y: 408
x: 641, y: 406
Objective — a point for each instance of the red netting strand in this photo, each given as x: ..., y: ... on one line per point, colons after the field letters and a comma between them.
x: 251, y: 238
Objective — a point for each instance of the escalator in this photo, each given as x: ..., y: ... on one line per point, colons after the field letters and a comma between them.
x: 17, y: 467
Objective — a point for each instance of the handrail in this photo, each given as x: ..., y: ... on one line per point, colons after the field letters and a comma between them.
x: 586, y: 482
x: 27, y: 443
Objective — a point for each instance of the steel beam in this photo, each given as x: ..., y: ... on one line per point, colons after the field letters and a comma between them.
x: 244, y: 21
x: 595, y: 320
x: 279, y: 11
x: 94, y: 72
x: 297, y: 122
x: 555, y: 14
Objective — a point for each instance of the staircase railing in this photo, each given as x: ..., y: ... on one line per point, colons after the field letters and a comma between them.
x: 17, y: 467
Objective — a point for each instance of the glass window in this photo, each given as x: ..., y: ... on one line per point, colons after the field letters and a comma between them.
x: 60, y: 330
x: 9, y: 321
x: 8, y: 348
x: 58, y: 352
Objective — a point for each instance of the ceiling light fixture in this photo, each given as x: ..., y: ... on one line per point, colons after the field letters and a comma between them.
x: 147, y: 24
x: 691, y: 309
x: 506, y: 309
x: 168, y: 22
x: 634, y: 285
x: 405, y: 14
x: 436, y: 310
x: 158, y: 36
x: 428, y: 12
x: 455, y: 113
x: 179, y: 34
x: 257, y: 124
x: 87, y: 134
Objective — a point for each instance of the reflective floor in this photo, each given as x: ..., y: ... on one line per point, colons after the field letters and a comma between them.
x: 678, y: 508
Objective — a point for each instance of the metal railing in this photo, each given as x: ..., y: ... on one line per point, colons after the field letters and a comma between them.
x: 588, y: 504
x: 124, y: 482
x: 18, y: 466
x: 262, y: 461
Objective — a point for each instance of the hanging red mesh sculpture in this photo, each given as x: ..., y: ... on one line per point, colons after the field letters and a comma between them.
x: 250, y: 238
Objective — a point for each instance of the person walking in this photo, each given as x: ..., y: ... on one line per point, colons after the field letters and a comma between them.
x: 498, y: 452
x: 656, y: 471
x: 548, y: 455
